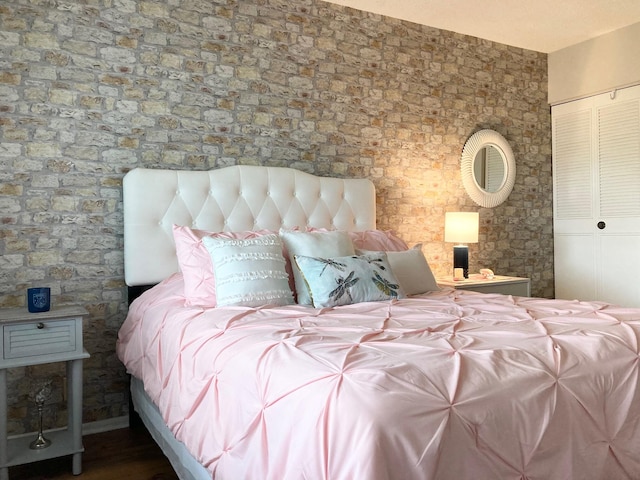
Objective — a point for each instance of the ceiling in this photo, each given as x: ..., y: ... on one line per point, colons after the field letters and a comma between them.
x: 540, y: 25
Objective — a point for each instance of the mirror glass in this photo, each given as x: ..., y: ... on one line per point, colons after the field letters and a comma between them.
x: 488, y: 168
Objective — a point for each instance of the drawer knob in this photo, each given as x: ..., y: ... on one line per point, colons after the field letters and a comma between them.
x: 40, y: 326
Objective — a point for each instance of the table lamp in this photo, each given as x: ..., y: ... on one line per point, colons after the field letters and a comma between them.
x: 461, y: 228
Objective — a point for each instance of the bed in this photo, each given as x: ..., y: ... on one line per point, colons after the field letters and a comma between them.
x: 388, y: 377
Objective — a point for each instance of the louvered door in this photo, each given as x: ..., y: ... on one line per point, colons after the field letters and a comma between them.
x: 596, y: 172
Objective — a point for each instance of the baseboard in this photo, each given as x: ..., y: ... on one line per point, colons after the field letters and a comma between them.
x: 105, y: 425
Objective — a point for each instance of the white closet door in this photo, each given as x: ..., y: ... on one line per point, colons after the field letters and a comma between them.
x: 596, y: 168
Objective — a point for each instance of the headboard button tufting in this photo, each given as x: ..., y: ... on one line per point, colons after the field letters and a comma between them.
x: 224, y: 199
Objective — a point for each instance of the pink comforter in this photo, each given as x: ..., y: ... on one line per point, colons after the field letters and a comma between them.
x: 449, y: 385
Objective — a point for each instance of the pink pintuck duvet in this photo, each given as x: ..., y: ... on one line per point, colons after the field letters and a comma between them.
x: 448, y: 385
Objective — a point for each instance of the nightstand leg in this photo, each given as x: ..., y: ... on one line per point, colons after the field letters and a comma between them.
x: 74, y: 408
x: 4, y: 471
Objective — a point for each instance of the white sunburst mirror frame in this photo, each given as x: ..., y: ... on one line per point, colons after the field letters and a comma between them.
x: 476, y: 142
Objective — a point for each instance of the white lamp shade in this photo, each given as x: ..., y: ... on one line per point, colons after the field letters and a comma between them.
x: 461, y: 227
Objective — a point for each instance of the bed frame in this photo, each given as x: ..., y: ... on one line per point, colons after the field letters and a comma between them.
x: 237, y: 198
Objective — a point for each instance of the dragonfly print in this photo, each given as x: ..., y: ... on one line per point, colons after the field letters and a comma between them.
x: 385, y: 286
x: 329, y: 263
x: 375, y: 261
x: 344, y: 284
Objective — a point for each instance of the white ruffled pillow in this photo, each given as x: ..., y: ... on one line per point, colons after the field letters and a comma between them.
x: 346, y: 280
x: 250, y: 271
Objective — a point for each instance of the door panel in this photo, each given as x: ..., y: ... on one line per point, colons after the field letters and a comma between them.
x: 619, y: 265
x: 575, y: 267
x: 596, y: 170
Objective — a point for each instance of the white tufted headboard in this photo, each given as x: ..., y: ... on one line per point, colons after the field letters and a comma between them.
x: 237, y: 198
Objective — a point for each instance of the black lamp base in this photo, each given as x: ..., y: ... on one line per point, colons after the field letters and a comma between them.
x: 461, y: 259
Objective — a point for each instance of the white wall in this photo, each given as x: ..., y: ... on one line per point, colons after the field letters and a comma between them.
x: 595, y: 66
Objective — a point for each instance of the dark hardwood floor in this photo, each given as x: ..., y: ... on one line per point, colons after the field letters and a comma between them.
x: 125, y: 454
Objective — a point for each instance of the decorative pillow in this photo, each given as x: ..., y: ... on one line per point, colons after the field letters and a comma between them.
x: 346, y: 280
x: 373, y: 240
x: 250, y: 271
x: 412, y: 271
x: 379, y: 240
x: 195, y: 262
x: 318, y: 244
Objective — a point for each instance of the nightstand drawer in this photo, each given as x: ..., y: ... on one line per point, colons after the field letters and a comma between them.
x: 39, y: 338
x: 517, y: 286
x: 518, y: 289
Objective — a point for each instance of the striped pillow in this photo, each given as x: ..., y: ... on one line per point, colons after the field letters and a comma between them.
x: 249, y: 271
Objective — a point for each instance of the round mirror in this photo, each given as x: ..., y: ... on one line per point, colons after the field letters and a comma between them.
x: 488, y: 168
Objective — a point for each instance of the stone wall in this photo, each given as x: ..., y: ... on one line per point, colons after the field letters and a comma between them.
x: 92, y: 89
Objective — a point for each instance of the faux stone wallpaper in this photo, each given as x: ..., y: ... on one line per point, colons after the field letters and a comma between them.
x: 92, y: 89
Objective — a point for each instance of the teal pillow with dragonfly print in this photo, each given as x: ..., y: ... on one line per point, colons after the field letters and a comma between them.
x: 346, y: 280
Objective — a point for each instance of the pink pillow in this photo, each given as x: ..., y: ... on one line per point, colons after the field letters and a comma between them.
x: 378, y: 240
x: 195, y: 262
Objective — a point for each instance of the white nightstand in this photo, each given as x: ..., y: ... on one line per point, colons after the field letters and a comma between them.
x: 35, y: 339
x: 517, y: 286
